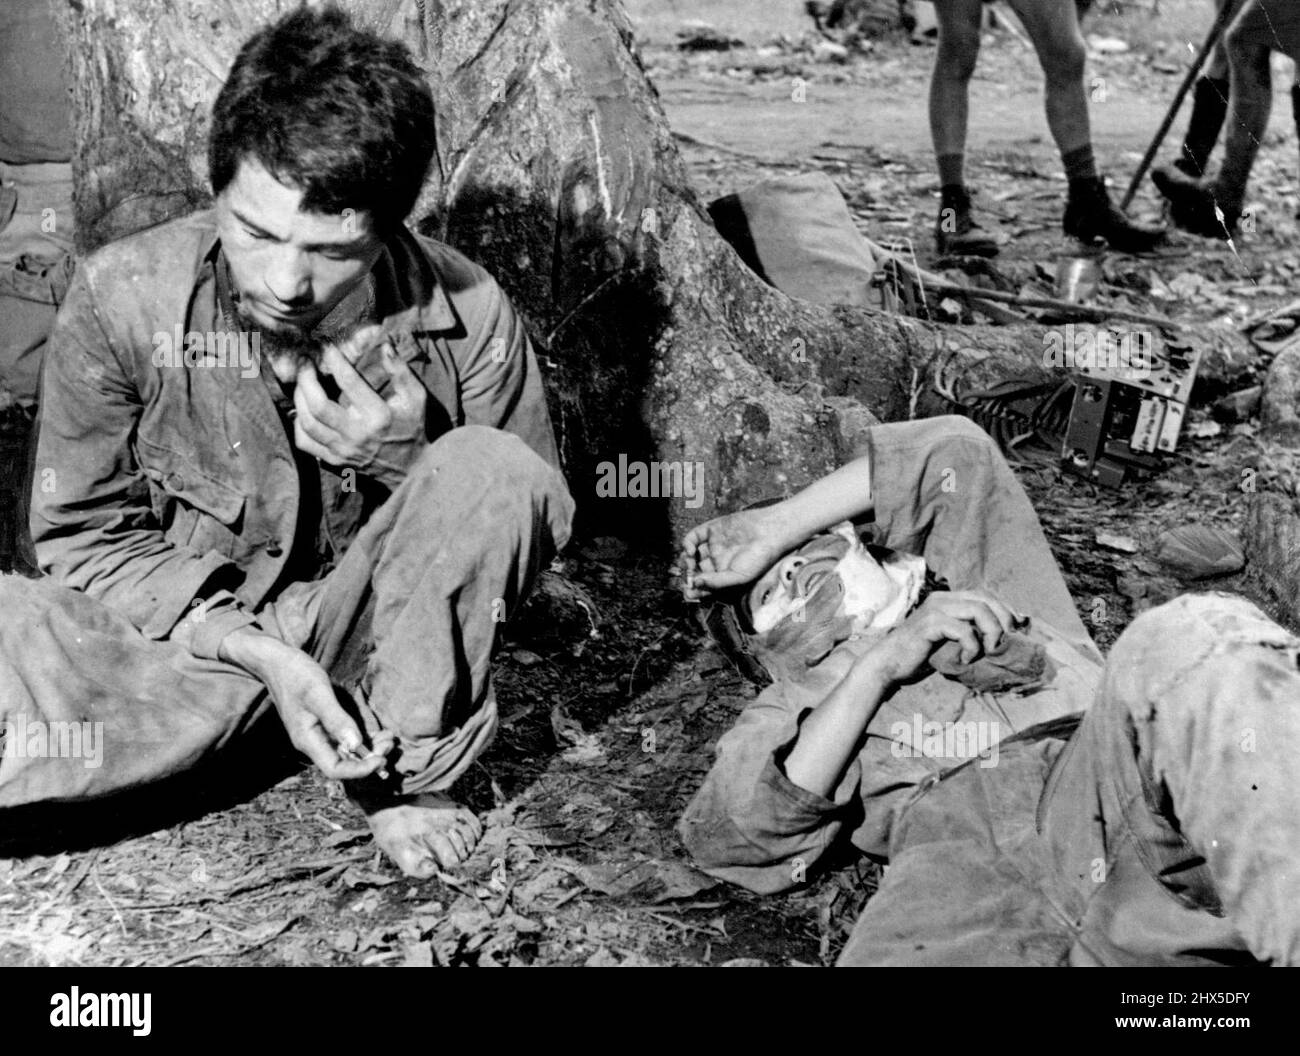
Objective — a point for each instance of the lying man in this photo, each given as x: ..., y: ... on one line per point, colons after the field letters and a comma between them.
x: 1035, y: 807
x: 291, y: 456
x: 1053, y: 26
x: 1212, y: 206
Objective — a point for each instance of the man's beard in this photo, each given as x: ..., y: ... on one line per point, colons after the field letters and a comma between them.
x: 287, y: 343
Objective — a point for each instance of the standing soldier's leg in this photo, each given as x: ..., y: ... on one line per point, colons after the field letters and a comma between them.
x: 954, y: 63
x: 1090, y: 216
x: 1209, y: 108
x: 1213, y: 207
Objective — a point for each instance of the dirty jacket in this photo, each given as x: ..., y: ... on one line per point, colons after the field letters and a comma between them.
x: 159, y: 487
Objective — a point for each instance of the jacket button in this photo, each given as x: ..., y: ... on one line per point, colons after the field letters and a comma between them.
x: 175, y: 481
x: 273, y: 549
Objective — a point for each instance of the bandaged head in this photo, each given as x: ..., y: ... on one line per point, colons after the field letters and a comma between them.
x: 831, y: 588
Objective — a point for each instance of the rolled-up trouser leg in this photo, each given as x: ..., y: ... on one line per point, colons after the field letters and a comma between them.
x: 422, y: 591
x: 943, y: 490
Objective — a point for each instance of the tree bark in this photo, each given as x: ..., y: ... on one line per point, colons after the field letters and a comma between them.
x: 556, y: 169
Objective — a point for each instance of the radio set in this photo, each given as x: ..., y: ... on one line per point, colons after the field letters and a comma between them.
x: 1129, y: 406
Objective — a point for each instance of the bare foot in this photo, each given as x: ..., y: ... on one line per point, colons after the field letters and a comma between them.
x: 424, y: 833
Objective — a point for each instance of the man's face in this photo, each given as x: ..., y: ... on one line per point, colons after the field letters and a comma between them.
x: 838, y: 569
x: 290, y: 268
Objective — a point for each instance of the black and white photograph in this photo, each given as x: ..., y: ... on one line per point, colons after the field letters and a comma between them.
x: 641, y: 483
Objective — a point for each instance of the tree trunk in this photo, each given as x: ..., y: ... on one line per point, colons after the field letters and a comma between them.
x: 556, y: 170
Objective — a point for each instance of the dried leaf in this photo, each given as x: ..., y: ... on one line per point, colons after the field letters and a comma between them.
x: 1116, y: 542
x: 345, y: 837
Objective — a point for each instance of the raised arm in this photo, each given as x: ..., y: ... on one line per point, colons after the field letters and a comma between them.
x: 736, y: 549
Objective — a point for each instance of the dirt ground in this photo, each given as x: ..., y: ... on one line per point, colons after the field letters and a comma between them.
x: 609, y: 714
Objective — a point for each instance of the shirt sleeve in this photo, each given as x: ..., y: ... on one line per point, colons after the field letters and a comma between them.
x: 749, y: 823
x: 500, y: 380
x: 208, y: 621
x: 91, y: 519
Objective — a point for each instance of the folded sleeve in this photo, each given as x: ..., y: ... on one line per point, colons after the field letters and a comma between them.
x: 205, y: 626
x: 750, y: 824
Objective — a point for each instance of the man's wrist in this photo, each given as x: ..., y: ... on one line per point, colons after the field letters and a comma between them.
x: 391, y: 466
x: 249, y: 648
x: 873, y: 672
x: 785, y: 524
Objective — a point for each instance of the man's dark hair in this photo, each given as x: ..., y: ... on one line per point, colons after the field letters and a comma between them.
x: 337, y: 112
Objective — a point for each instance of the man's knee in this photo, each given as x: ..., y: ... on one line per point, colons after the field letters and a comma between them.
x: 958, y: 434
x: 502, y: 457
x: 501, y: 467
x: 958, y: 52
x: 1262, y: 27
x: 947, y: 452
x: 1065, y: 59
x: 1165, y: 643
x: 1249, y: 61
x: 1210, y: 617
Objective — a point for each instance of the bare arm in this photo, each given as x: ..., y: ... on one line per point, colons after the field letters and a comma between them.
x: 843, y: 495
x: 829, y: 738
x: 738, y: 548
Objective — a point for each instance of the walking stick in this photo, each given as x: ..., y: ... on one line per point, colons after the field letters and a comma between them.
x: 1226, y: 14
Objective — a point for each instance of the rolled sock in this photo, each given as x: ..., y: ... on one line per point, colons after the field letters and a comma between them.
x: 1080, y: 164
x: 954, y: 196
x: 951, y: 167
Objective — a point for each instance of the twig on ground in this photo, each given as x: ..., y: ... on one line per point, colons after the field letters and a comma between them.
x: 694, y: 141
x: 1098, y: 312
x: 327, y: 871
x: 79, y: 877
x: 117, y: 913
x: 683, y: 924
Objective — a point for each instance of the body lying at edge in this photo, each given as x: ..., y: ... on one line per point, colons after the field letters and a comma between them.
x: 1121, y: 818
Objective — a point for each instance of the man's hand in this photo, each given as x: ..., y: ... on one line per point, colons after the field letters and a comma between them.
x: 304, y: 697
x: 974, y: 619
x: 732, y: 550
x: 363, y: 430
